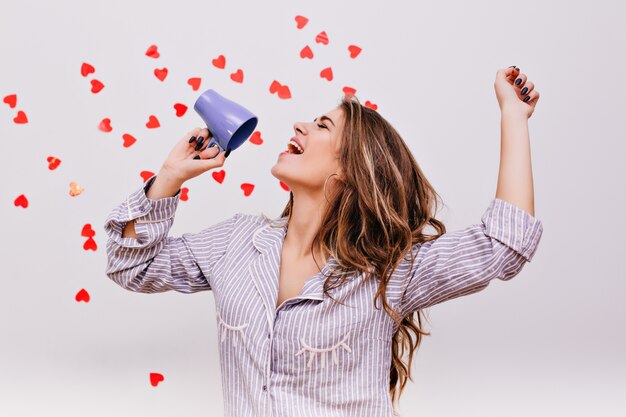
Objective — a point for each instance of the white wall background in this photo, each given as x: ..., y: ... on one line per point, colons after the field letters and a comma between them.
x: 548, y: 343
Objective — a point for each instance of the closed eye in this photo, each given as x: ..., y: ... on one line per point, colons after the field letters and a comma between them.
x: 322, y: 126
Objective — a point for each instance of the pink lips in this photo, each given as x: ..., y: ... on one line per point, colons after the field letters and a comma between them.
x: 295, y: 139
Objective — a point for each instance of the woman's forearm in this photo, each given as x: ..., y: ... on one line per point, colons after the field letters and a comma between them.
x: 515, y: 178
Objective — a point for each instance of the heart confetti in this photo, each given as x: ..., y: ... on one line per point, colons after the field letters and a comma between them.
x: 283, y: 185
x: 371, y: 105
x: 20, y: 118
x: 86, y: 69
x: 184, y: 194
x: 219, y: 175
x: 87, y: 231
x: 237, y: 76
x: 155, y: 378
x: 153, y: 122
x: 181, y: 109
x: 96, y: 86
x: 160, y: 73
x: 53, y: 163
x: 255, y: 138
x: 146, y: 175
x: 128, y: 140
x: 82, y: 295
x: 247, y: 188
x: 282, y: 90
x: 349, y: 91
x: 90, y: 244
x: 153, y: 52
x: 105, y: 125
x: 75, y: 189
x: 322, y: 38
x: 11, y: 100
x: 354, y: 51
x: 21, y: 201
x: 306, y: 52
x: 194, y: 83
x: 301, y: 21
x: 327, y: 73
x: 219, y: 62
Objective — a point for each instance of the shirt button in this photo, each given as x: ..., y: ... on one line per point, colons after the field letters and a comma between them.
x: 264, y: 387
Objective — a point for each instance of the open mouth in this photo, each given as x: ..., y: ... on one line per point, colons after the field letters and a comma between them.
x: 294, y: 148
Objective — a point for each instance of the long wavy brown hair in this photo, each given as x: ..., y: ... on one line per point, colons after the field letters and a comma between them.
x: 377, y: 211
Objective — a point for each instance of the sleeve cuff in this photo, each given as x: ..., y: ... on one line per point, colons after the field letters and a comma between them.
x: 153, y: 218
x: 513, y: 227
x: 145, y: 210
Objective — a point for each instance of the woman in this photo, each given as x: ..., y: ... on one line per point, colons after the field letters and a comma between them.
x: 316, y: 309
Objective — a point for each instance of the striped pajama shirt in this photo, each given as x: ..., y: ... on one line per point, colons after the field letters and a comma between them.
x: 310, y: 356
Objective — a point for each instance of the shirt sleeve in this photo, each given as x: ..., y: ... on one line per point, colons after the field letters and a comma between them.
x: 465, y: 261
x: 156, y: 262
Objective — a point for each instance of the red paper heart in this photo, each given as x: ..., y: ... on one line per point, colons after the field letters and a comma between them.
x: 219, y: 175
x: 306, y: 52
x: 153, y: 52
x: 128, y: 140
x: 87, y: 231
x: 82, y: 295
x: 21, y: 201
x: 219, y: 62
x: 146, y: 175
x: 237, y: 76
x: 327, y: 73
x: 256, y: 138
x: 53, y: 163
x: 283, y: 185
x: 160, y: 73
x: 153, y: 122
x: 194, y: 83
x: 275, y: 86
x: 184, y: 193
x: 105, y: 125
x: 301, y: 21
x: 283, y: 92
x: 371, y: 105
x: 20, y: 118
x: 155, y: 378
x: 90, y: 244
x: 86, y: 69
x: 96, y: 86
x: 11, y: 100
x: 322, y: 38
x: 181, y: 109
x: 354, y: 51
x: 247, y: 188
x: 349, y: 91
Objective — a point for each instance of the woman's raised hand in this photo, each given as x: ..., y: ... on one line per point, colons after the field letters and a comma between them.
x: 190, y: 156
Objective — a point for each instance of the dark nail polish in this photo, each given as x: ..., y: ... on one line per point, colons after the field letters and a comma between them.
x: 524, y: 90
x: 227, y: 153
x: 192, y: 139
x: 518, y: 81
x: 212, y: 145
x: 200, y: 142
x: 512, y: 66
x: 526, y: 99
x: 196, y: 157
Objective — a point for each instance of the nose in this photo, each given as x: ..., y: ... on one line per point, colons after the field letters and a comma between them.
x: 299, y: 127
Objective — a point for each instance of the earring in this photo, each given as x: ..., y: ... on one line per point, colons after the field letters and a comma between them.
x: 325, y: 187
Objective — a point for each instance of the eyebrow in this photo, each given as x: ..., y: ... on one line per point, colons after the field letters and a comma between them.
x: 325, y: 118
